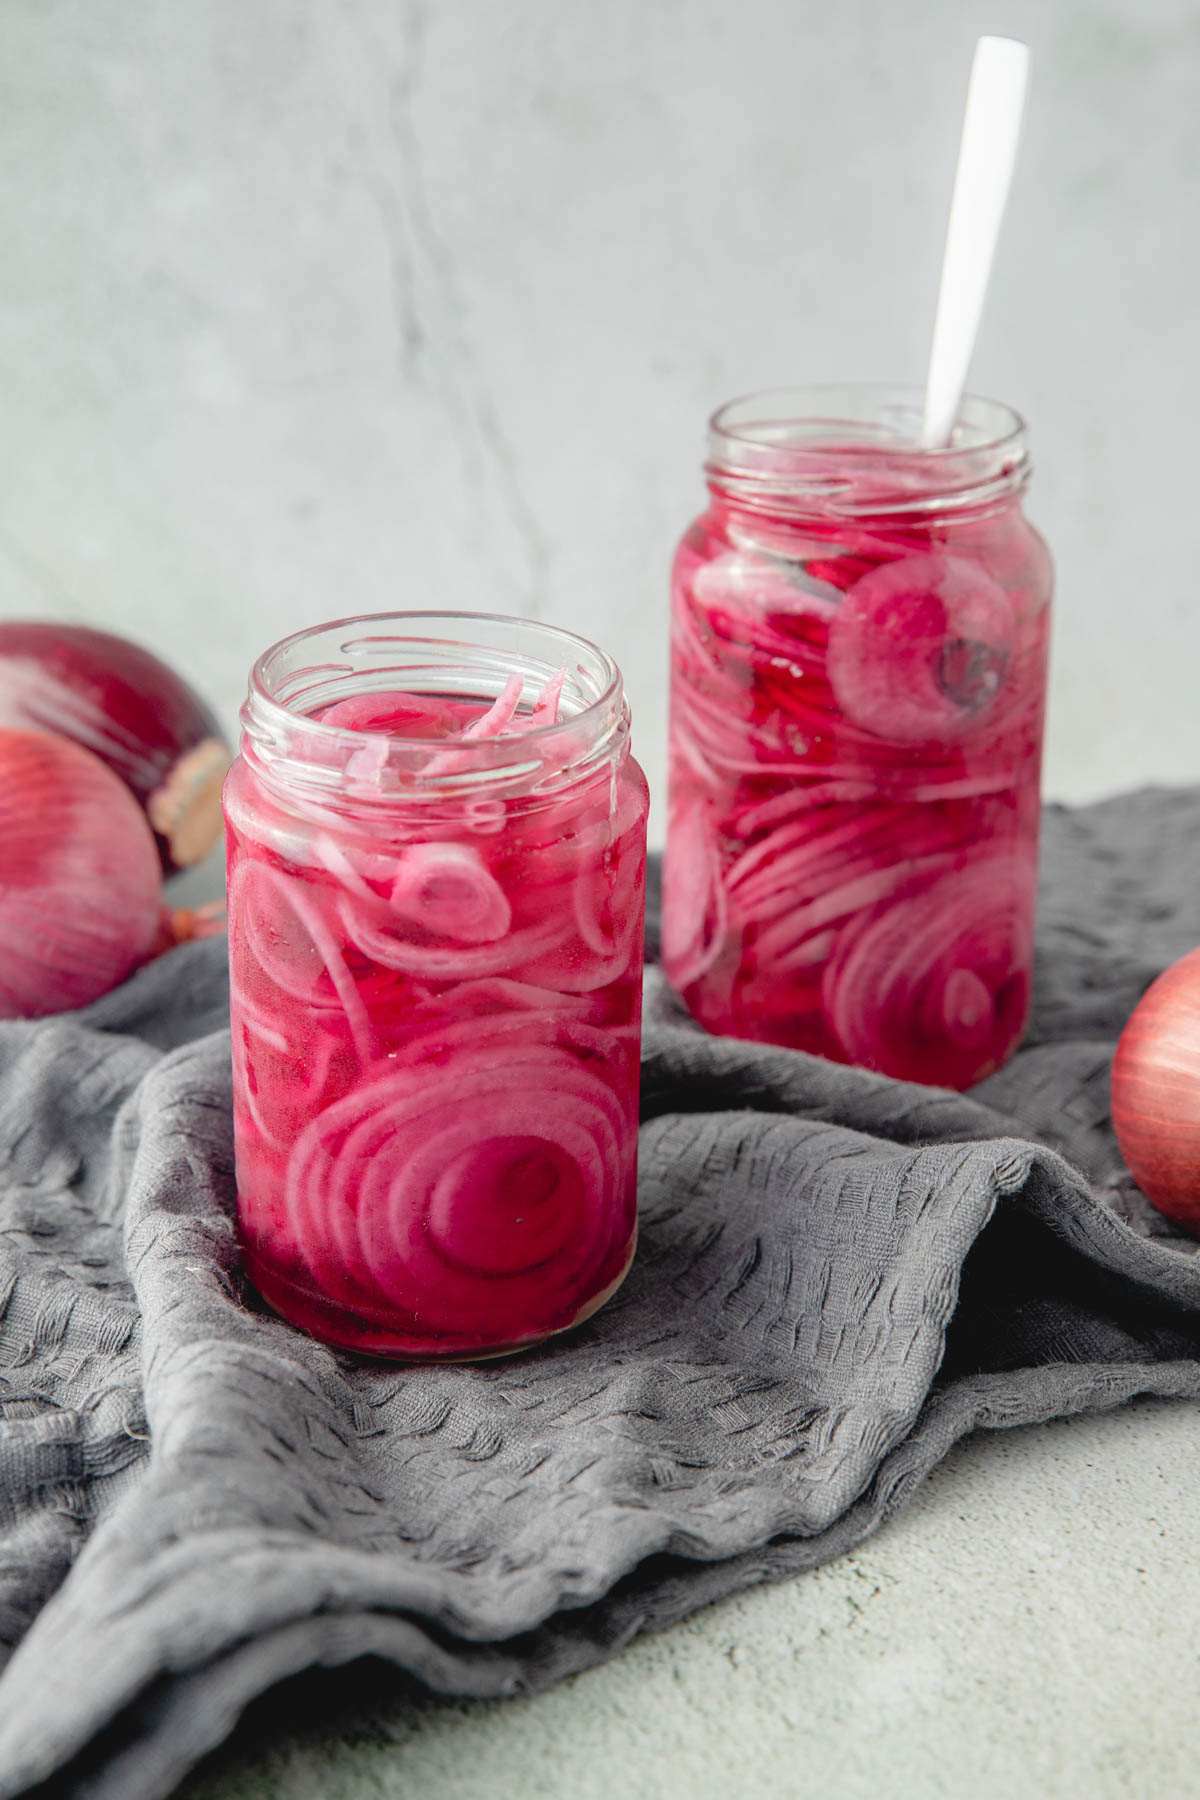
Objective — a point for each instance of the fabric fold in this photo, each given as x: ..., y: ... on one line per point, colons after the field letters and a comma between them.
x: 838, y: 1276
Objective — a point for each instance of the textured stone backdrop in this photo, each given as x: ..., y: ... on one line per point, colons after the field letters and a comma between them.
x: 316, y: 306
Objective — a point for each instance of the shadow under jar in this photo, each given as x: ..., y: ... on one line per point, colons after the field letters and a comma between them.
x: 859, y: 646
x: 437, y: 854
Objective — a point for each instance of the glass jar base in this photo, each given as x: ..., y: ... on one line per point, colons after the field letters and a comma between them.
x: 901, y: 1057
x: 337, y: 1327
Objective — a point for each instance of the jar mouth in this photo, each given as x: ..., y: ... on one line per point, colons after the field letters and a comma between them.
x: 854, y: 447
x: 449, y: 654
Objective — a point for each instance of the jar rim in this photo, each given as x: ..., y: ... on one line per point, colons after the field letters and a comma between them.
x: 293, y: 675
x: 261, y: 690
x: 992, y: 423
x: 825, y: 443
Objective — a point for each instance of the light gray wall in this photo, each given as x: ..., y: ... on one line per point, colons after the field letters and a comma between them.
x: 315, y: 306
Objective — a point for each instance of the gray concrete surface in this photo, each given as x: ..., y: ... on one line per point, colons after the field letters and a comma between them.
x: 1031, y: 1626
x: 318, y: 306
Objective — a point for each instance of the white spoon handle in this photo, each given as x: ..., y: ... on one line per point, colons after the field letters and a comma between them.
x: 986, y: 158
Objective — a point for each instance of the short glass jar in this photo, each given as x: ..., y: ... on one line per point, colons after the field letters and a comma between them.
x: 859, y: 649
x: 436, y: 851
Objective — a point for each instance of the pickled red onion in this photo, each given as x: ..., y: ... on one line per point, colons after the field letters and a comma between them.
x: 447, y: 889
x: 695, y: 916
x: 482, y: 1195
x: 393, y: 713
x: 290, y: 941
x: 919, y: 648
x: 545, y: 707
x: 851, y: 736
x: 954, y: 957
x: 383, y: 937
x: 440, y: 1151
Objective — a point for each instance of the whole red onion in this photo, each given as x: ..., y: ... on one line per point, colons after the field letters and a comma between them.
x: 1156, y: 1092
x: 133, y: 712
x: 80, y: 883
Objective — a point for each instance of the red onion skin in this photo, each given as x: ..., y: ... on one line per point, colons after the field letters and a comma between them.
x: 1156, y: 1093
x: 128, y: 708
x: 80, y: 884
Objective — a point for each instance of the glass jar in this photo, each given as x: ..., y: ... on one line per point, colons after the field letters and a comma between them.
x: 859, y: 644
x: 437, y: 851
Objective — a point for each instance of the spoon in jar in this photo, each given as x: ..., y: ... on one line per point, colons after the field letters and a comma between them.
x: 986, y: 157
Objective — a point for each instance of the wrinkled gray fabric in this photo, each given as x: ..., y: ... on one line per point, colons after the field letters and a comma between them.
x: 839, y: 1275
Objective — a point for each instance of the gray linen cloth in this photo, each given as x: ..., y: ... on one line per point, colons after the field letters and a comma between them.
x: 839, y: 1275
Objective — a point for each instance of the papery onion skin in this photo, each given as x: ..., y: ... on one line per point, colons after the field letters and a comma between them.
x: 123, y: 704
x: 436, y: 1045
x: 80, y: 883
x: 1156, y: 1093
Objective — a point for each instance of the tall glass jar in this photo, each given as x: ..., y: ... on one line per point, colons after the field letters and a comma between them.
x: 859, y: 643
x: 436, y: 839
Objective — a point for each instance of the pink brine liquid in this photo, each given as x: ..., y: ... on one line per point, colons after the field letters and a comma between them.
x: 856, y: 731
x: 436, y: 1042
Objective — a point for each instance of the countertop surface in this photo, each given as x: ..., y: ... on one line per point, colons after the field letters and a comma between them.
x: 1030, y: 1625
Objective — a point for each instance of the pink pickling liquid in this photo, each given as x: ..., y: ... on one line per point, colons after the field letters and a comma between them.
x: 436, y: 1032
x: 856, y: 734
